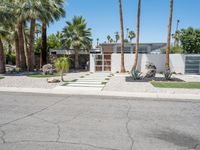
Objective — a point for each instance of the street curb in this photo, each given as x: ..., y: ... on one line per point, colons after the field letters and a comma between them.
x: 63, y: 91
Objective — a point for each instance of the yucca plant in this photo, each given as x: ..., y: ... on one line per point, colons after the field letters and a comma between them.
x: 62, y: 66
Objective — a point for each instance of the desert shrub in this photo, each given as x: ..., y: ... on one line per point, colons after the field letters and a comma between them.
x: 62, y: 65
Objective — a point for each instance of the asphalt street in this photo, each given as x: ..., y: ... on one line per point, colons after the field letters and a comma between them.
x: 64, y: 122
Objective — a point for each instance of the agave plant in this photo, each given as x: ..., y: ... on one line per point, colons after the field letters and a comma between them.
x: 62, y: 66
x: 136, y: 75
x: 168, y: 74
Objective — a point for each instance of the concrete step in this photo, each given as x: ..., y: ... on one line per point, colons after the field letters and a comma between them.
x: 86, y: 82
x: 85, y: 85
x: 90, y: 79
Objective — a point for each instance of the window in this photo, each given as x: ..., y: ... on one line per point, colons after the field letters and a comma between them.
x: 127, y: 49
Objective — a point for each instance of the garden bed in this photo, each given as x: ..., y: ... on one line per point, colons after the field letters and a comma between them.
x: 182, y: 85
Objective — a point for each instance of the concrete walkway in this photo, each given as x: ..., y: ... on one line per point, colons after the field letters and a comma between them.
x: 93, y: 82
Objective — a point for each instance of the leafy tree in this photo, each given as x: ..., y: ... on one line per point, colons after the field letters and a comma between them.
x: 54, y: 41
x: 62, y: 66
x: 190, y: 40
x: 77, y: 36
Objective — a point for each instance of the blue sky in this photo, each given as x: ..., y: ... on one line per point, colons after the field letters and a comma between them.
x: 103, y: 17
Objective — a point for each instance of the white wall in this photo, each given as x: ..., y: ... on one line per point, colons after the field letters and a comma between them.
x: 177, y: 62
x: 92, y: 62
x: 143, y: 59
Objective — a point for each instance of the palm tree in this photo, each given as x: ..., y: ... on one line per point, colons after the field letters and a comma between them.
x: 131, y: 35
x: 97, y: 42
x: 6, y: 17
x: 77, y: 36
x: 2, y: 55
x: 137, y: 37
x: 57, y: 11
x: 117, y: 37
x: 122, y: 70
x: 109, y: 38
x: 167, y: 66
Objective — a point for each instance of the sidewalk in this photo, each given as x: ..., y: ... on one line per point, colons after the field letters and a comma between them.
x: 64, y: 91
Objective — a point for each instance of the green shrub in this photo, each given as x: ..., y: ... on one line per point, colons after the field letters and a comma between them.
x: 11, y: 58
x: 62, y: 65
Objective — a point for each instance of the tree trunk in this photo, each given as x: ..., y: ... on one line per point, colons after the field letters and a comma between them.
x: 137, y: 37
x: 167, y: 66
x: 43, y: 56
x: 122, y: 70
x: 17, y: 50
x: 32, y: 45
x: 2, y: 58
x: 76, y: 60
x: 21, y: 46
x: 62, y: 76
x: 27, y: 52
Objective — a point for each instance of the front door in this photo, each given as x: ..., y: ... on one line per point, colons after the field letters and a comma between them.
x: 103, y: 63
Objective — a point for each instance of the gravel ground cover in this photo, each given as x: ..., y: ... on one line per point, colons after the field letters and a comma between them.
x: 24, y: 81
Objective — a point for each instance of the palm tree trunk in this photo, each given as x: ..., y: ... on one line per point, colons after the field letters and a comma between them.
x: 32, y: 44
x: 27, y: 52
x: 122, y: 70
x: 167, y: 66
x: 21, y: 46
x: 43, y: 56
x: 2, y: 58
x: 17, y: 50
x: 76, y: 60
x: 137, y: 37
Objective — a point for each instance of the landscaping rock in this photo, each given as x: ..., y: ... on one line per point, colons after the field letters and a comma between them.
x: 47, y: 69
x: 53, y: 80
x: 150, y: 71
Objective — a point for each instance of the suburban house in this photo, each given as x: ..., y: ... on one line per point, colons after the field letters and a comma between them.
x: 107, y: 58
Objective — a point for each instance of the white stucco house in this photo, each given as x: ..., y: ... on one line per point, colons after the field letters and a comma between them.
x: 107, y: 58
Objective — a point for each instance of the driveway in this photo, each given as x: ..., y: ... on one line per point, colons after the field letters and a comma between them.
x: 53, y: 122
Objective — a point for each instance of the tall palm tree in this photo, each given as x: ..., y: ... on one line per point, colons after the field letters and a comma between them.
x: 6, y: 18
x: 77, y: 36
x: 167, y: 64
x: 2, y: 55
x: 109, y: 38
x: 117, y: 37
x: 137, y: 37
x: 57, y: 11
x: 131, y: 35
x: 122, y: 69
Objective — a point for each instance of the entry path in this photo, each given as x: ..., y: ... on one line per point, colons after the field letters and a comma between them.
x: 92, y: 81
x: 55, y: 122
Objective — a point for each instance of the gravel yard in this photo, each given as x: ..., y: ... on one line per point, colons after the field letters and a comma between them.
x: 124, y: 83
x: 30, y: 82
